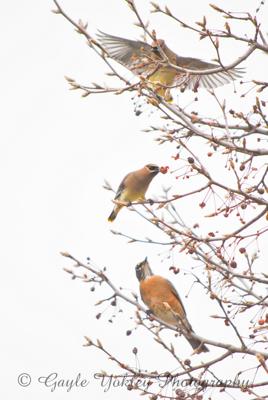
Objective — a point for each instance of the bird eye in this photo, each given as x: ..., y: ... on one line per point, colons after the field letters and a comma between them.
x: 153, y: 167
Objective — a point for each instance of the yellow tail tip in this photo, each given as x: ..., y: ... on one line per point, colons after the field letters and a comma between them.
x: 112, y: 216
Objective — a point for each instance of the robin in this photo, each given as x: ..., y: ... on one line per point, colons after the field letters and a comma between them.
x: 152, y: 62
x: 133, y: 187
x: 164, y: 302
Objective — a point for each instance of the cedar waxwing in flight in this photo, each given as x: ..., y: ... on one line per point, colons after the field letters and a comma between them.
x: 164, y: 302
x: 133, y: 187
x: 147, y: 61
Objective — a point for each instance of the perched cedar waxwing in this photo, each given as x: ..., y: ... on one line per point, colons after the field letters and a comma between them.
x: 147, y: 61
x: 133, y: 187
x: 164, y: 302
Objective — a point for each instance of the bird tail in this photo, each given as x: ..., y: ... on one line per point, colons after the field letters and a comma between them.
x: 197, y: 345
x: 188, y: 332
x: 112, y: 216
x: 114, y: 213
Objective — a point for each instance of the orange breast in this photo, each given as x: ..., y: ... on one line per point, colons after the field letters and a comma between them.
x: 158, y: 295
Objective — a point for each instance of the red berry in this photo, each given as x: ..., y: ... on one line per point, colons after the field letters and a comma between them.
x: 190, y: 160
x: 233, y: 264
x: 164, y: 170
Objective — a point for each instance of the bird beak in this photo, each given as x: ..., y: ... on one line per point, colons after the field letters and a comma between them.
x: 145, y: 260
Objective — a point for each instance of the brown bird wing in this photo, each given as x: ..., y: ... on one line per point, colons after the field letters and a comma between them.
x: 176, y: 294
x: 136, y: 55
x: 183, y: 318
x: 121, y: 188
x: 208, y: 81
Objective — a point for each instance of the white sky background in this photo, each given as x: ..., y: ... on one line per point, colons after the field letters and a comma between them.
x: 56, y: 150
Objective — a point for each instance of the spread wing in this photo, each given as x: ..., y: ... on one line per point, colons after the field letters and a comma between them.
x: 135, y: 55
x: 141, y: 59
x: 208, y: 81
